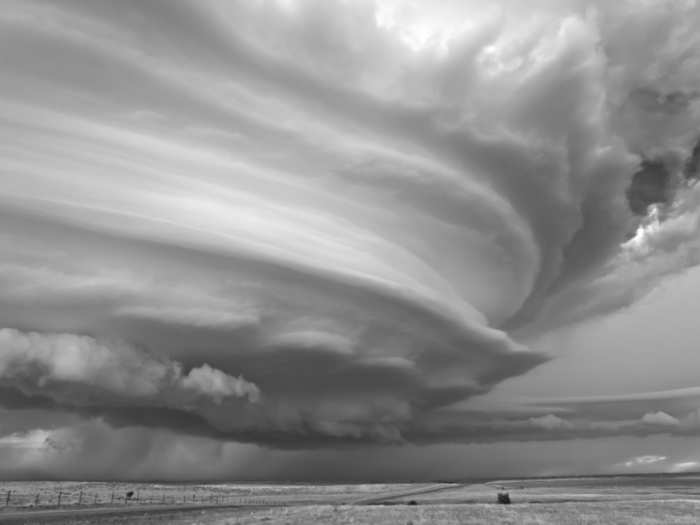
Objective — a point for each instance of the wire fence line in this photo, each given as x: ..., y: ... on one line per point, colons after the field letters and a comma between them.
x: 62, y: 498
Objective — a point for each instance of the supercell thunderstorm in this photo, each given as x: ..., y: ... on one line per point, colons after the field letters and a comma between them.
x: 308, y: 223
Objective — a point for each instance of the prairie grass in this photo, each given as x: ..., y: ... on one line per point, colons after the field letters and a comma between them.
x: 666, y: 512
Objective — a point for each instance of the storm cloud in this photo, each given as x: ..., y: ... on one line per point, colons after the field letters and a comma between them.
x: 306, y: 224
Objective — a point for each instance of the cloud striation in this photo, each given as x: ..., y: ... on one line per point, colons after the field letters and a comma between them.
x: 313, y: 223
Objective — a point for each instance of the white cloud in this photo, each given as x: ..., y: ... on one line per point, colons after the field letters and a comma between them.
x: 644, y: 460
x: 217, y: 385
x: 660, y: 418
x: 551, y: 422
x: 33, y: 439
x: 82, y: 371
x: 685, y: 466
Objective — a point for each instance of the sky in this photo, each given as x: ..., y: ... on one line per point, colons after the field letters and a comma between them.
x: 348, y: 240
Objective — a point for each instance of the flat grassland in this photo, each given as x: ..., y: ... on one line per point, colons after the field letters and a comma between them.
x: 638, y: 500
x: 589, y: 513
x: 28, y: 494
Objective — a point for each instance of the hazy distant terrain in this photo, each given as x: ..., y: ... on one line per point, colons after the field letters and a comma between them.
x: 557, y: 501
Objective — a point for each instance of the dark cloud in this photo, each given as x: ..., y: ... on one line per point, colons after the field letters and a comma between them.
x: 691, y: 169
x: 652, y: 184
x: 310, y: 224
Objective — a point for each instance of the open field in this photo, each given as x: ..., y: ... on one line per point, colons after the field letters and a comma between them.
x: 624, y: 513
x: 642, y: 500
x: 45, y: 494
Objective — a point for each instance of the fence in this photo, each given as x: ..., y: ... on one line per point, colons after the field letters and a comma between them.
x: 62, y: 498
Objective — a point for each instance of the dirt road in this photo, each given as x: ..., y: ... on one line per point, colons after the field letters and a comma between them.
x: 392, y: 495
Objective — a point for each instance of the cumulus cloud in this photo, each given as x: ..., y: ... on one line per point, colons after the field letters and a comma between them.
x: 82, y: 371
x: 659, y: 418
x: 308, y: 223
